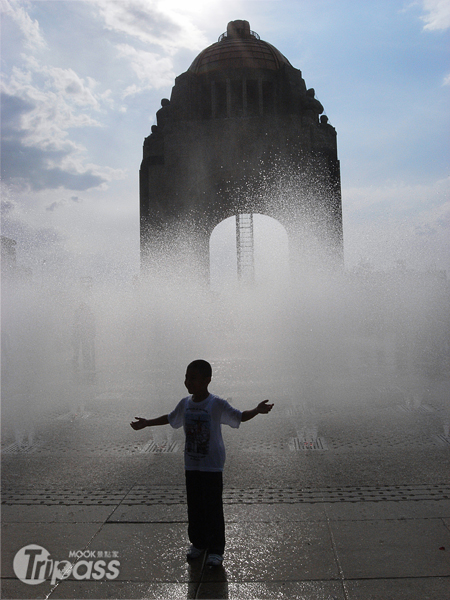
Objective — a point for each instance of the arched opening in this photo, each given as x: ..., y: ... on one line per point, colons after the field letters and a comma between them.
x: 270, y: 252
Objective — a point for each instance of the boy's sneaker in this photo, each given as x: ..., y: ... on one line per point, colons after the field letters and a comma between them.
x: 193, y: 553
x: 214, y: 560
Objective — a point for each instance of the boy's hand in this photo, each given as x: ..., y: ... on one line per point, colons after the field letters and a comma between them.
x: 264, y: 408
x: 139, y: 424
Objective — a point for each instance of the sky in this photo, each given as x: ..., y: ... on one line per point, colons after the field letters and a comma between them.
x: 82, y: 81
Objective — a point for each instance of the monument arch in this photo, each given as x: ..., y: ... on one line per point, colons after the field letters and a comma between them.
x: 241, y: 134
x: 268, y: 264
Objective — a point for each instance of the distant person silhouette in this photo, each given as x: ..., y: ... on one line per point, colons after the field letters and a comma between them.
x: 83, y: 337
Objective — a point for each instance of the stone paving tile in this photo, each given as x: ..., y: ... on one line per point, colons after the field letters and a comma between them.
x: 239, y: 513
x: 58, y: 538
x: 275, y: 552
x: 13, y: 589
x: 165, y: 495
x: 127, y: 590
x: 383, y: 549
x: 277, y: 590
x: 428, y: 588
x: 153, y: 552
x: 369, y: 511
x: 149, y: 514
x: 55, y: 514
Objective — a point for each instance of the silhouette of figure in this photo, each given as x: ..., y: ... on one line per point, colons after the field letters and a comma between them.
x: 324, y: 123
x: 163, y: 113
x: 154, y: 143
x: 83, y: 337
x: 154, y: 134
x: 313, y: 108
x: 6, y: 356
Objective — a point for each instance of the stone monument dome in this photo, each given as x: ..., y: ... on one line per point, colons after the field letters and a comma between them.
x: 238, y: 48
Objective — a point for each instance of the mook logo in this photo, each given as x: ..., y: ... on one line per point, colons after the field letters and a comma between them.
x: 33, y: 564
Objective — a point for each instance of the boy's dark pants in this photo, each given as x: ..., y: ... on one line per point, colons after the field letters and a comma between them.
x: 206, y: 527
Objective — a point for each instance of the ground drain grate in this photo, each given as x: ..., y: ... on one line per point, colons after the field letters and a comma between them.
x: 384, y: 441
x: 51, y: 447
x: 51, y: 497
x: 17, y: 448
x: 297, y: 443
x: 71, y: 416
x: 153, y: 447
x: 169, y: 495
x: 423, y: 409
x: 445, y: 439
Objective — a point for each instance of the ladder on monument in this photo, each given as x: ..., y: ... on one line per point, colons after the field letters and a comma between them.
x: 245, y: 248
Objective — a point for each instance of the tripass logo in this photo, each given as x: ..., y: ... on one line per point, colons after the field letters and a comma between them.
x: 33, y: 564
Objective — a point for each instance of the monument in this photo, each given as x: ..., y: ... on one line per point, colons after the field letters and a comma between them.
x: 240, y: 135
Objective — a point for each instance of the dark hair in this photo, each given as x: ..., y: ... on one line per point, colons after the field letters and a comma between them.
x: 201, y: 366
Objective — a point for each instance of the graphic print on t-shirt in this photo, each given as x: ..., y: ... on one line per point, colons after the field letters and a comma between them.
x: 198, y: 432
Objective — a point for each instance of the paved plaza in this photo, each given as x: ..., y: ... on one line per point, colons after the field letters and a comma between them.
x: 342, y: 492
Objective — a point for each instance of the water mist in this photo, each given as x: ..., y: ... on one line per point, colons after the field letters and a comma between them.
x: 306, y: 340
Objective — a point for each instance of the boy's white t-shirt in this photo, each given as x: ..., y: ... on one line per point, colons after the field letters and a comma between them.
x: 204, y: 448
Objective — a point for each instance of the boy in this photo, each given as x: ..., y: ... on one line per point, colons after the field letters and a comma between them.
x: 202, y: 415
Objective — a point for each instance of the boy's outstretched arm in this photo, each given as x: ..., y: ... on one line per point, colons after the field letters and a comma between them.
x: 262, y: 409
x: 141, y: 422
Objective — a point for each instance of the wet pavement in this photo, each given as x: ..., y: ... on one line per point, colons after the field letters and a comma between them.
x: 342, y: 492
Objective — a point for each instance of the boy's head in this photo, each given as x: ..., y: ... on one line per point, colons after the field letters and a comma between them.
x: 198, y: 377
x: 201, y: 366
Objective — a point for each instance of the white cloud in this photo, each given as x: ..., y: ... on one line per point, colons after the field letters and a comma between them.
x: 438, y: 14
x: 152, y: 70
x: 40, y: 105
x: 69, y: 85
x: 446, y: 80
x: 29, y: 28
x: 163, y: 27
x: 152, y: 22
x: 51, y: 112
